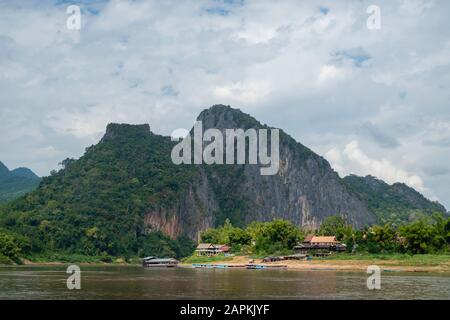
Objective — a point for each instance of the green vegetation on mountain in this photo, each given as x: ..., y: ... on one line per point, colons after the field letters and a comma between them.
x: 224, y: 181
x: 96, y: 205
x: 16, y: 183
x: 125, y: 198
x: 395, y: 203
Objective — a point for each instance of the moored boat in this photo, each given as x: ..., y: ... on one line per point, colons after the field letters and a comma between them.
x: 261, y: 266
x: 150, y: 262
x: 237, y: 266
x: 218, y: 266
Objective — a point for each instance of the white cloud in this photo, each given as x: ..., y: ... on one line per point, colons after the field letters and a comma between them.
x: 328, y: 73
x: 48, y: 151
x: 416, y: 7
x: 381, y: 168
x: 243, y: 93
x: 256, y: 34
x: 162, y: 62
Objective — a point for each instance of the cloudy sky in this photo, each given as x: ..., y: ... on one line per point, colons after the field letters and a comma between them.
x: 370, y: 101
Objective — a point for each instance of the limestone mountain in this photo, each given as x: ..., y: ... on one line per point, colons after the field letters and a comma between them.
x: 126, y: 189
x: 16, y: 183
x: 305, y: 190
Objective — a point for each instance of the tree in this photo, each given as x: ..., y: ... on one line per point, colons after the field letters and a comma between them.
x: 275, y: 236
x: 227, y: 234
x: 335, y: 226
x: 378, y: 239
x: 238, y: 236
x: 9, y: 248
x: 211, y: 236
x: 423, y: 237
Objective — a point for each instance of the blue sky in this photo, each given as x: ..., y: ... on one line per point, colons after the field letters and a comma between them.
x: 370, y: 101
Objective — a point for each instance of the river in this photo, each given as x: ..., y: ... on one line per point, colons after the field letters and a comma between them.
x: 134, y: 282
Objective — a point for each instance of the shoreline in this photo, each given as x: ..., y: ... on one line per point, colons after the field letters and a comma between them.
x: 339, y: 265
x: 357, y: 265
x: 29, y: 263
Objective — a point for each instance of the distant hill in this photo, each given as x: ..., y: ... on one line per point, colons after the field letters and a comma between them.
x: 24, y: 173
x: 395, y: 203
x: 16, y: 183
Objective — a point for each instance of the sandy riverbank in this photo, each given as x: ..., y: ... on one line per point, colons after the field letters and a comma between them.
x: 343, y: 265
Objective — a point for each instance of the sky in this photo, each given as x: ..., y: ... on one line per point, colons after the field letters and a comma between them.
x: 371, y: 101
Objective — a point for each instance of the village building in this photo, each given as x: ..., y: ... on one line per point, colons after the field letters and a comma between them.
x: 209, y: 249
x: 320, y: 245
x: 308, y: 238
x: 324, y: 241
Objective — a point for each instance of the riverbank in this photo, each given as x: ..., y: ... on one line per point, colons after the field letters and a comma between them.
x: 61, y: 259
x: 388, y: 263
x: 338, y: 262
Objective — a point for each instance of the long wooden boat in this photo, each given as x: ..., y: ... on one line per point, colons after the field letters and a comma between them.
x: 153, y: 262
x: 218, y: 266
x: 262, y: 266
x: 235, y: 266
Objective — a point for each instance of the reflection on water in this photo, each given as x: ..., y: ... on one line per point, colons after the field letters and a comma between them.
x: 130, y: 282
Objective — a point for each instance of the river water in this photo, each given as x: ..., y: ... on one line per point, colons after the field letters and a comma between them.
x: 134, y: 282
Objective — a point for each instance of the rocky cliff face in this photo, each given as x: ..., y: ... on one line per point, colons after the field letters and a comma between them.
x: 305, y: 190
x: 193, y: 212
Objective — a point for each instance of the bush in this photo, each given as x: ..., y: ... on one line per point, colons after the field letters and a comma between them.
x: 5, y: 260
x: 9, y: 247
x: 424, y: 237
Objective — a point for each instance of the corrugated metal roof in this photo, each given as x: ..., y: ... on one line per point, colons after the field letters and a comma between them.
x: 204, y: 246
x: 162, y: 260
x: 149, y: 258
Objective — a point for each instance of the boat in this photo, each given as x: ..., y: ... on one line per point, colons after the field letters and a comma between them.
x: 237, y: 266
x: 199, y: 265
x: 152, y: 262
x: 218, y: 266
x: 262, y: 266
